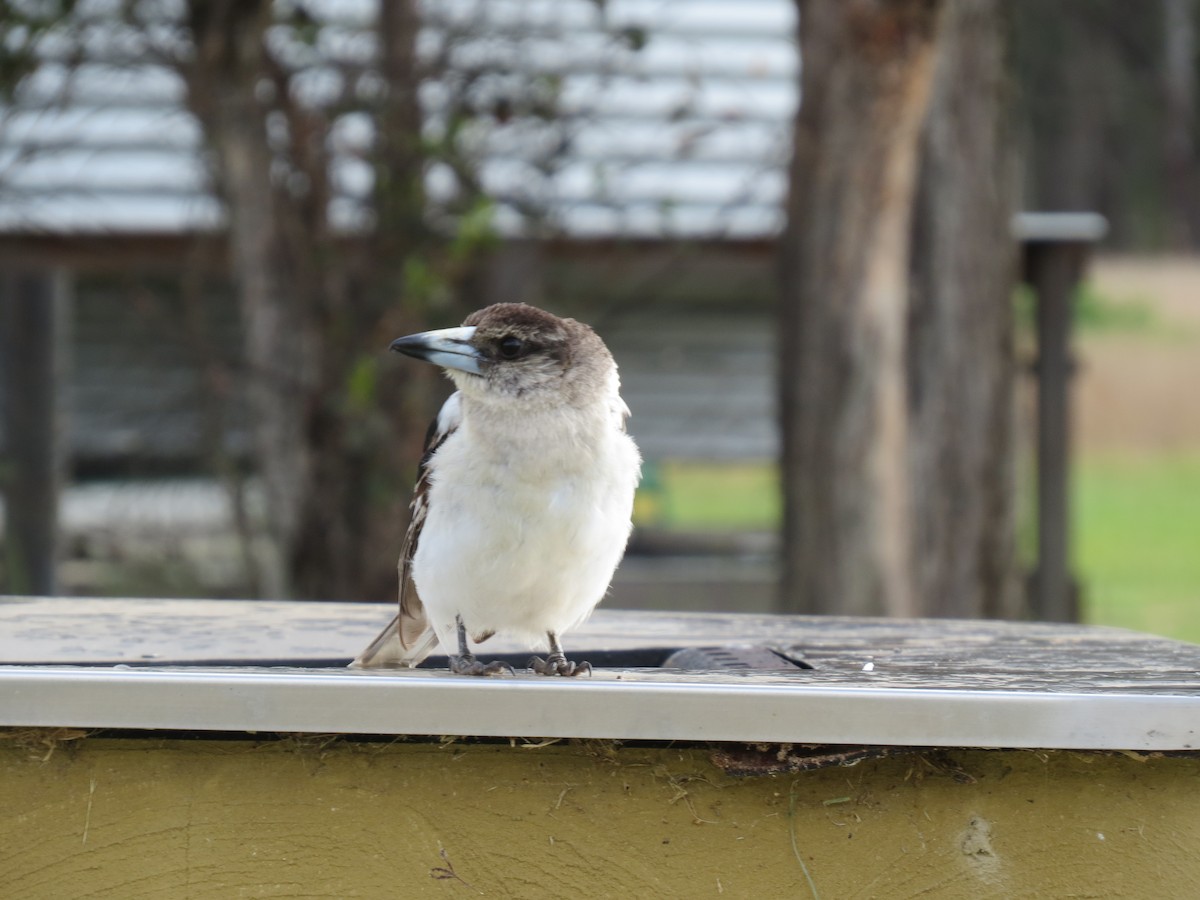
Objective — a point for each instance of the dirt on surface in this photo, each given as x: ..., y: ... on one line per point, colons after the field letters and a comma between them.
x: 1139, y: 392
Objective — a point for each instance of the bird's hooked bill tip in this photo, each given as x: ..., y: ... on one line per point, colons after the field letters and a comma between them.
x: 406, y: 344
x: 447, y: 347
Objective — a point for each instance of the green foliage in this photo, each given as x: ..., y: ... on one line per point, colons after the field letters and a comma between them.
x: 424, y: 284
x: 363, y: 384
x: 476, y: 231
x: 634, y: 37
x: 304, y: 28
x: 1094, y: 311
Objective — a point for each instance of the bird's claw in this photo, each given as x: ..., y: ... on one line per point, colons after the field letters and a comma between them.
x: 558, y: 664
x: 469, y: 665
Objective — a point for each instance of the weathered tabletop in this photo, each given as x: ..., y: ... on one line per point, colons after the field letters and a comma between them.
x: 215, y: 665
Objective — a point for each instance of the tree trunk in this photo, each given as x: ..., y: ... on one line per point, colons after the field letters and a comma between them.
x: 1179, y: 90
x: 227, y: 76
x: 369, y: 419
x: 331, y: 424
x: 960, y: 364
x: 865, y: 85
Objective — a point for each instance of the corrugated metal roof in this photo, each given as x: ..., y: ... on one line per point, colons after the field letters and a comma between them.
x: 673, y: 117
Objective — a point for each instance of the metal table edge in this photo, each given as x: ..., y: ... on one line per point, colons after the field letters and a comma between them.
x: 613, y: 705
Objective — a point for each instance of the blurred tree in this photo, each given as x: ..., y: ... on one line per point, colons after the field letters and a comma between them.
x: 33, y: 356
x: 324, y: 283
x: 896, y: 376
x: 1179, y: 133
x: 1107, y: 107
x: 319, y: 299
x: 961, y: 362
x: 864, y: 87
x: 322, y: 156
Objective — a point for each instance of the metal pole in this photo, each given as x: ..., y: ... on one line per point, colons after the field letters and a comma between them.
x: 32, y: 304
x: 1054, y: 270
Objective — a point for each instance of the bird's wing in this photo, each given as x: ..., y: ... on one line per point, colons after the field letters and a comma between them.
x: 408, y: 639
x: 412, y: 612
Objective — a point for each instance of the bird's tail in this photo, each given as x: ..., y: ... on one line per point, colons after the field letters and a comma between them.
x: 387, y: 652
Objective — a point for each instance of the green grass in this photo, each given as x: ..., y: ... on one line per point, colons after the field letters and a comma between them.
x: 1096, y: 312
x: 1137, y: 543
x: 1136, y: 536
x: 703, y: 496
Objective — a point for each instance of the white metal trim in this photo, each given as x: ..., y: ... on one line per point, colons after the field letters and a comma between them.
x: 621, y: 705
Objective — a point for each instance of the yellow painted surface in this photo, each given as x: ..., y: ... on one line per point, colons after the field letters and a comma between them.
x: 104, y: 818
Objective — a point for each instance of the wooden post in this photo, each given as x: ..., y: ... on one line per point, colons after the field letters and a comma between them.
x: 1054, y: 270
x: 1056, y: 247
x: 32, y: 325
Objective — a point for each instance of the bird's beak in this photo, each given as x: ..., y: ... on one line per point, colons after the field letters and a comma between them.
x: 447, y: 347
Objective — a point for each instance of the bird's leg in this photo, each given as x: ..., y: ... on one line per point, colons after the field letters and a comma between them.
x: 557, y: 663
x: 465, y: 662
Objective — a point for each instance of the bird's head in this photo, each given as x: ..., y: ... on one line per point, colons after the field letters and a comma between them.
x: 511, y: 350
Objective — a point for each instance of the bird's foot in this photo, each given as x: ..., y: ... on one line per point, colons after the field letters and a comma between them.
x: 467, y: 664
x: 558, y: 664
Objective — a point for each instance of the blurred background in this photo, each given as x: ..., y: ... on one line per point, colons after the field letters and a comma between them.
x: 910, y: 329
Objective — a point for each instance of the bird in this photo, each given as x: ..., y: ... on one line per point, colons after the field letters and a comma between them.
x: 523, y: 503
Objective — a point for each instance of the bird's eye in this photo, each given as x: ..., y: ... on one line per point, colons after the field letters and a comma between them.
x: 510, y: 347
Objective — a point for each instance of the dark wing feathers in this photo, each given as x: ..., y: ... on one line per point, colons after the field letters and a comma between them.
x: 412, y: 613
x: 417, y: 640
